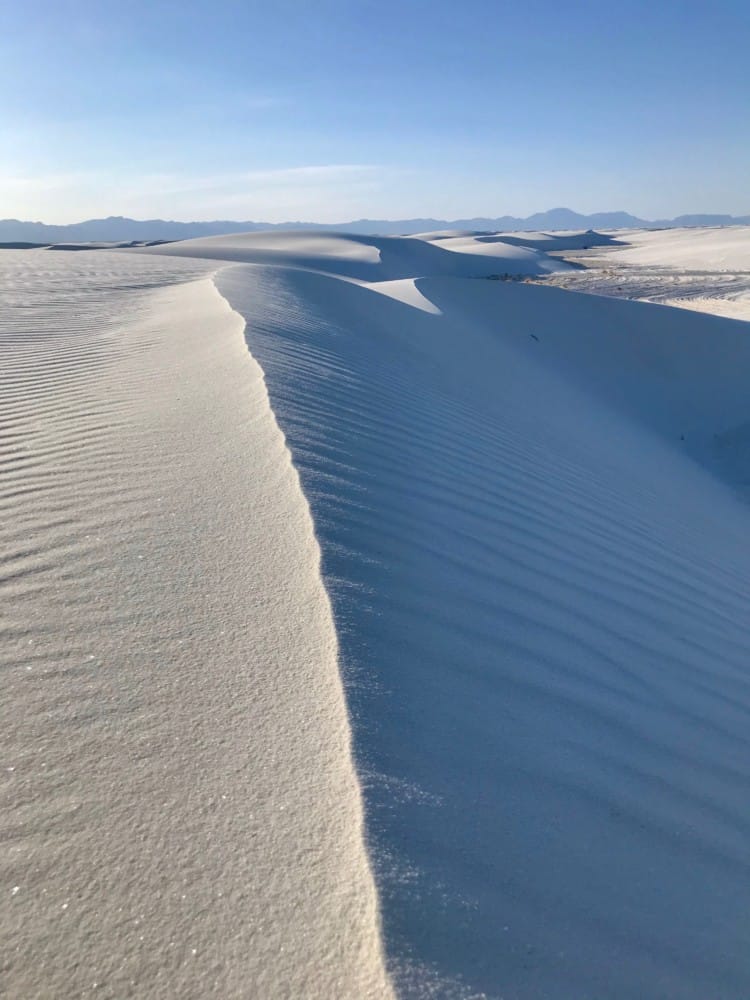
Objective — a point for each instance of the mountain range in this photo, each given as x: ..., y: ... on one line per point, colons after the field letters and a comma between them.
x: 119, y: 229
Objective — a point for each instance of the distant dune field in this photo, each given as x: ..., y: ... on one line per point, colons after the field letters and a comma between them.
x: 707, y: 270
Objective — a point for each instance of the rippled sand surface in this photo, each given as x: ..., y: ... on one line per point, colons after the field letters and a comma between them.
x: 180, y: 816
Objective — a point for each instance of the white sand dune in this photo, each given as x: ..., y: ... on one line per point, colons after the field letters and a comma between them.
x: 445, y: 234
x: 721, y: 248
x: 529, y: 507
x: 368, y: 258
x: 542, y: 606
x: 705, y: 270
x: 546, y: 242
x: 527, y: 511
x: 517, y: 259
x: 180, y: 813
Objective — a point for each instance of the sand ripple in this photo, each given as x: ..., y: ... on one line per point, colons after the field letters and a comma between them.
x: 180, y: 817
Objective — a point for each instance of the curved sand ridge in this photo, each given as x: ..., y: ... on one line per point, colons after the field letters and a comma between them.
x: 371, y: 259
x: 539, y: 573
x: 180, y: 813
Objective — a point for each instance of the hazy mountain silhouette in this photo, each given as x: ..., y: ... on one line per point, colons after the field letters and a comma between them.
x: 119, y: 229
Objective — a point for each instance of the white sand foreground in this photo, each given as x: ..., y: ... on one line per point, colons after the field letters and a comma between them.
x: 531, y: 509
x: 180, y: 816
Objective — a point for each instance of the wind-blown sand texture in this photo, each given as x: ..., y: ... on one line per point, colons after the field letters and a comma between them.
x: 530, y: 510
x: 180, y: 814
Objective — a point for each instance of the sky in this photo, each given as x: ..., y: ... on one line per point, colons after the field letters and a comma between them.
x: 342, y: 109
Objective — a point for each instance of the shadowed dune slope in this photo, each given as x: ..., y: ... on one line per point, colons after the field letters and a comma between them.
x: 541, y: 602
x: 545, y: 242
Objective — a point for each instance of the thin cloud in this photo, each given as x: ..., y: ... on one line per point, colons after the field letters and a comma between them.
x: 278, y: 176
x: 273, y: 194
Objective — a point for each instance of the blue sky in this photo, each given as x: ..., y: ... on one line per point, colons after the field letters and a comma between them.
x: 338, y: 109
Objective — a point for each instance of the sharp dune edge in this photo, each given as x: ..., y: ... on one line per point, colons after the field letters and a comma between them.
x: 531, y: 512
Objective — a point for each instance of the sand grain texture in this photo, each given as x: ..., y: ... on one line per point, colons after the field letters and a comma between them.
x: 180, y: 814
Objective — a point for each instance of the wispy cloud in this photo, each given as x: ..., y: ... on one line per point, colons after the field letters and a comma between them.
x: 313, y: 175
x: 11, y: 184
x: 271, y: 194
x: 311, y: 191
